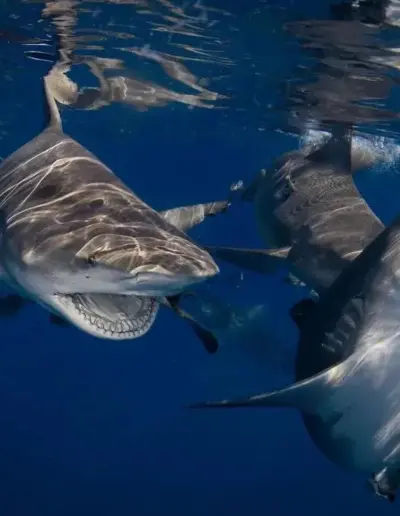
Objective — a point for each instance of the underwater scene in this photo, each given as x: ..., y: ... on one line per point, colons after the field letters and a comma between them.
x: 199, y: 257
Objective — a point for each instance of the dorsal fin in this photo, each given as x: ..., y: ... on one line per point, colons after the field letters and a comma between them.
x: 336, y: 150
x: 53, y: 111
x: 301, y: 310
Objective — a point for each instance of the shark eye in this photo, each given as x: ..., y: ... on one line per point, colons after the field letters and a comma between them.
x: 91, y: 260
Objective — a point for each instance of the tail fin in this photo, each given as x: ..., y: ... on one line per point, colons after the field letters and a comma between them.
x: 53, y: 111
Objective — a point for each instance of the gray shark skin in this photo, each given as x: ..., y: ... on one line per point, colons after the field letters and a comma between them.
x: 347, y: 367
x: 310, y: 212
x: 79, y: 242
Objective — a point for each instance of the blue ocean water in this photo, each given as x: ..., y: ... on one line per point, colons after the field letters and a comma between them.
x: 90, y: 426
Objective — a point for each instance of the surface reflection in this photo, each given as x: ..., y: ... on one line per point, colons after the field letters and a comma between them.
x: 340, y: 66
x: 350, y: 71
x: 119, y: 81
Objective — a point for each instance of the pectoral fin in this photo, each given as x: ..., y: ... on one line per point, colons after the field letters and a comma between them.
x: 263, y: 261
x: 186, y: 217
x: 306, y: 395
x: 208, y: 340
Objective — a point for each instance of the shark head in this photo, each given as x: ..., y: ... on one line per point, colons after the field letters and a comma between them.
x: 109, y: 285
x: 157, y: 265
x: 76, y: 239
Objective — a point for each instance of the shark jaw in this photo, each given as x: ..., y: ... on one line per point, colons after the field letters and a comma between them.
x: 107, y: 316
x: 99, y: 299
x: 127, y: 314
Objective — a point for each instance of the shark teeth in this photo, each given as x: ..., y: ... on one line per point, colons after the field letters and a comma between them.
x: 111, y: 316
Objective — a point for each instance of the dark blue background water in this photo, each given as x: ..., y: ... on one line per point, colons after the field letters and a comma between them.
x: 99, y: 427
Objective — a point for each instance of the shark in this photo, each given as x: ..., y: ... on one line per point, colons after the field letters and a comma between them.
x: 77, y: 241
x: 309, y: 213
x: 347, y: 386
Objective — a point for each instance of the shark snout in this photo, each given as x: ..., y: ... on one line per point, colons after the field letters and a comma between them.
x: 183, y: 257
x: 155, y: 269
x: 159, y: 284
x: 175, y: 274
x: 199, y: 265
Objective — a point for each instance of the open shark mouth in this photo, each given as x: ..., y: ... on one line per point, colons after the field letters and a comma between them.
x: 108, y: 316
